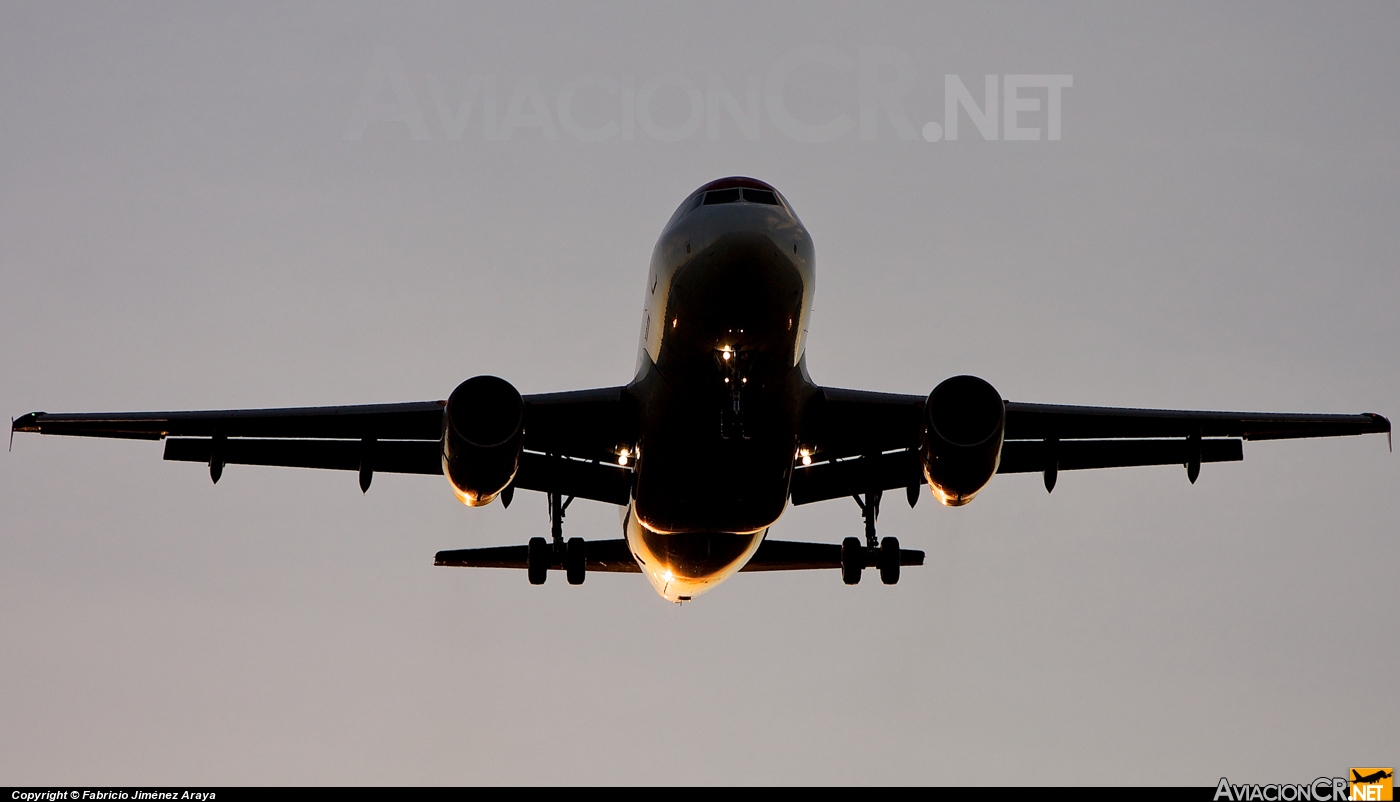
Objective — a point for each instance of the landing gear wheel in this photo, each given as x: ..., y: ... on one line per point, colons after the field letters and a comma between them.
x: 538, y: 556
x: 575, y: 562
x: 852, y: 560
x: 889, y: 560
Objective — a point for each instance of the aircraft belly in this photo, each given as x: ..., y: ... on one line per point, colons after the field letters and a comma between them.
x: 686, y: 484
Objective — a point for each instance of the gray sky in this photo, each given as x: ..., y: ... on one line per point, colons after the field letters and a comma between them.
x: 184, y: 224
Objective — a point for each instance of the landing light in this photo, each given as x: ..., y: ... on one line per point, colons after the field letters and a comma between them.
x: 806, y: 456
x: 622, y: 457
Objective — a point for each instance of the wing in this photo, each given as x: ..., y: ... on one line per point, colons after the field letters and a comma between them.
x: 569, y: 438
x: 869, y: 441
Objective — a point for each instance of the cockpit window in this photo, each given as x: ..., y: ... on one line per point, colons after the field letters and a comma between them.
x: 760, y: 196
x: 715, y: 196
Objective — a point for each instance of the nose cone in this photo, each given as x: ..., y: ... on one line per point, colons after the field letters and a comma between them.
x: 681, y: 567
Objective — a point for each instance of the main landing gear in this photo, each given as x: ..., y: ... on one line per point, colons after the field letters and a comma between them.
x: 543, y: 554
x: 874, y: 552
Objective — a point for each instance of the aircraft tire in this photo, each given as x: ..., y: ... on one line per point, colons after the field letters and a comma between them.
x: 537, y: 559
x: 575, y: 561
x: 889, y: 560
x: 852, y: 560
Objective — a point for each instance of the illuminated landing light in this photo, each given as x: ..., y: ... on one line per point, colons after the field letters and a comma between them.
x: 622, y: 457
x: 727, y: 354
x: 668, y: 576
x: 805, y: 455
x: 675, y: 321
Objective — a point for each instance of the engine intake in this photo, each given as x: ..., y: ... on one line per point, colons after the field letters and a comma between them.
x: 960, y: 442
x: 483, y: 433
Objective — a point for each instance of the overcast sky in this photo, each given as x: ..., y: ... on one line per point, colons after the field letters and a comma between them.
x: 208, y: 207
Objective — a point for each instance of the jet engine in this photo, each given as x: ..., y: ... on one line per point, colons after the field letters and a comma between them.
x: 483, y: 433
x: 960, y: 440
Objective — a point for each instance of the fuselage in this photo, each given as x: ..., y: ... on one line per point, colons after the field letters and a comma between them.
x: 721, y: 383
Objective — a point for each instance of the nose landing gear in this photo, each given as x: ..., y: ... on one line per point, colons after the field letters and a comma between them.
x: 734, y: 370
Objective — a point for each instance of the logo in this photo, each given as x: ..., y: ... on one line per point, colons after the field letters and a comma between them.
x: 1373, y: 784
x: 813, y: 93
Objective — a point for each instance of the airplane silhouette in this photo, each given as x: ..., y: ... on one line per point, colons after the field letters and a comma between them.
x: 720, y: 429
x: 1377, y: 776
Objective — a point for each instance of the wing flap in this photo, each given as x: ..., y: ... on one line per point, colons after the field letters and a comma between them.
x: 391, y: 456
x: 1033, y: 456
x: 596, y: 481
x: 842, y: 478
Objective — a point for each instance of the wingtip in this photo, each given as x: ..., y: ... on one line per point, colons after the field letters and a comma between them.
x: 25, y: 423
x: 1383, y: 425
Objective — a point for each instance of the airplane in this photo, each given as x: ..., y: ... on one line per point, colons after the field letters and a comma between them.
x: 720, y: 428
x: 1373, y: 777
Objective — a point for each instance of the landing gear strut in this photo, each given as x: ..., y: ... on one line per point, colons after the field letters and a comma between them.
x: 855, y: 556
x: 870, y: 510
x: 557, y: 505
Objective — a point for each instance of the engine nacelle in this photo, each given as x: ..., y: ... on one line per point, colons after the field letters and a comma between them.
x: 960, y: 441
x: 483, y: 434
